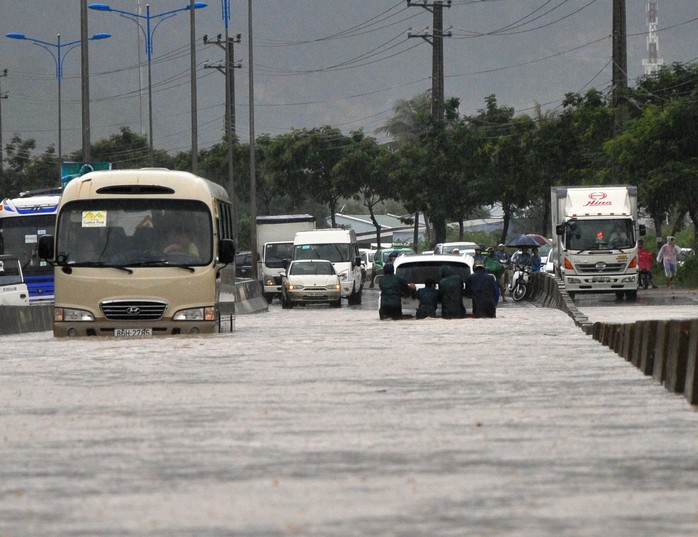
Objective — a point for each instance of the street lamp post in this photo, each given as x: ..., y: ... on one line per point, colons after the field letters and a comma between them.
x: 58, y: 52
x: 2, y: 96
x: 148, y: 31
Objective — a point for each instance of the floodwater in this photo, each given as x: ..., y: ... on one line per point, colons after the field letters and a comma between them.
x: 329, y: 422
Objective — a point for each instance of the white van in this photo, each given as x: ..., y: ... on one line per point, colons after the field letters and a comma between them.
x: 13, y: 290
x: 338, y: 246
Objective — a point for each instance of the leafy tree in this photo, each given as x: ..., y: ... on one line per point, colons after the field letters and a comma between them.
x: 366, y: 167
x: 305, y: 165
x: 126, y: 150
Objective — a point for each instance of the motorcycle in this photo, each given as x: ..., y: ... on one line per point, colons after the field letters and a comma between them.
x: 520, y: 285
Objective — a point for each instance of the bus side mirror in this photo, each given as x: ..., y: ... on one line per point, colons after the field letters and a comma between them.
x: 357, y: 261
x: 226, y: 251
x: 560, y: 229
x: 46, y: 247
x: 642, y: 229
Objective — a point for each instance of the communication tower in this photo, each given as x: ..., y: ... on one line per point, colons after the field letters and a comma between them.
x: 653, y: 61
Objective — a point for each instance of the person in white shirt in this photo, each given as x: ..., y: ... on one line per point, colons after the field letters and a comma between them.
x: 667, y: 255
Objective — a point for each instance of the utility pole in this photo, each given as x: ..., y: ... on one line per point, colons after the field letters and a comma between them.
x: 194, y: 118
x: 253, y: 149
x: 436, y: 39
x: 228, y: 70
x: 2, y: 96
x: 620, y: 53
x: 85, y: 82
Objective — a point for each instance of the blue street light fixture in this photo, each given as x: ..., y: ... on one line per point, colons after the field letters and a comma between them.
x: 61, y: 51
x: 148, y: 32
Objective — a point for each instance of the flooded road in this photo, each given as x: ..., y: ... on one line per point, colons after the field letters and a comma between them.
x: 326, y: 422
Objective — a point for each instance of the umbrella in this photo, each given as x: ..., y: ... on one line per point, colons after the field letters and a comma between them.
x: 522, y: 240
x: 540, y: 239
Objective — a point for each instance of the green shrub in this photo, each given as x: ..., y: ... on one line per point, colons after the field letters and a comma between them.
x: 687, y: 274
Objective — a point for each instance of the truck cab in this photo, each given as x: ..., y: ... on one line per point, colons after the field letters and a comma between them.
x: 13, y: 290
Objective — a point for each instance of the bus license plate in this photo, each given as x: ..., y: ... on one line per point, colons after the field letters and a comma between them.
x: 133, y: 332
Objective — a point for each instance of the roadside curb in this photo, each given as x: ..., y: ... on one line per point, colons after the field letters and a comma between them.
x: 667, y: 350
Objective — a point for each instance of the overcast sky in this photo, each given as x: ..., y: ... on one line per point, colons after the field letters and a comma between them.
x: 343, y: 63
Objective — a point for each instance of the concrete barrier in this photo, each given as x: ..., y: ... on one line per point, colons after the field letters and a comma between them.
x: 691, y: 386
x: 244, y: 297
x: 665, y: 349
x: 22, y: 319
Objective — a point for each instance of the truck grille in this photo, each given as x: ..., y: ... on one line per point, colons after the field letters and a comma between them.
x: 596, y: 268
x: 133, y: 310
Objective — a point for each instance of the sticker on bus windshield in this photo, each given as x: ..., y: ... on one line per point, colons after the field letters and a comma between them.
x: 94, y: 219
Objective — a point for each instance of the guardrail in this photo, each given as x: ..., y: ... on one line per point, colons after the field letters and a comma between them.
x: 667, y: 350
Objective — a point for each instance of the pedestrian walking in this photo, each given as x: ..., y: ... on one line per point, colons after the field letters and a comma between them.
x: 668, y: 255
x: 393, y: 288
x: 483, y: 289
x: 645, y: 260
x: 451, y: 294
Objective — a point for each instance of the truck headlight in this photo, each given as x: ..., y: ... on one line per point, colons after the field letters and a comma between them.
x: 207, y: 313
x: 268, y: 281
x: 71, y: 315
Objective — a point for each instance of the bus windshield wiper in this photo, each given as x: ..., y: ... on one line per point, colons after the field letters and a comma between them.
x: 160, y: 263
x: 100, y: 264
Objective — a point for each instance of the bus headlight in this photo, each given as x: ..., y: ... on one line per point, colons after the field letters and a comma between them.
x: 196, y: 314
x: 71, y: 315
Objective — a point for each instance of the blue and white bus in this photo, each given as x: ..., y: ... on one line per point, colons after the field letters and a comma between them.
x: 23, y: 220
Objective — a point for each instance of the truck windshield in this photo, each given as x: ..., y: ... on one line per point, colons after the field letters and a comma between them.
x: 606, y: 234
x: 335, y: 252
x: 9, y: 272
x: 142, y: 232
x: 274, y: 254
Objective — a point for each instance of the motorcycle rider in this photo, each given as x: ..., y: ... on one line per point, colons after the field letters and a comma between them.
x: 522, y: 257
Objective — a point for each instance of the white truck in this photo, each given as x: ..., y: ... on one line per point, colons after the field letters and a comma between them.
x: 13, y: 290
x: 339, y: 247
x: 596, y: 230
x: 275, y: 236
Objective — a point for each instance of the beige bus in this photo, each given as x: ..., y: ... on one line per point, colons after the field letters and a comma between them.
x: 139, y: 253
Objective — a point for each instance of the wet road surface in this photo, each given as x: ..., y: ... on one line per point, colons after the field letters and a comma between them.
x: 325, y: 422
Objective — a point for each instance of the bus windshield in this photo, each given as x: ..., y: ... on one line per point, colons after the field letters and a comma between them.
x: 19, y: 236
x: 134, y: 232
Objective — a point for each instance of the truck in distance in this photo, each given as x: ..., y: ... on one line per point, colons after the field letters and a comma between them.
x: 596, y: 230
x: 275, y: 236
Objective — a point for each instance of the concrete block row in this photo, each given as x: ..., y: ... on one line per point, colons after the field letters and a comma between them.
x: 666, y: 350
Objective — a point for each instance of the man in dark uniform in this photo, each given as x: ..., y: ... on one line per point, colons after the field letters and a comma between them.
x: 393, y: 288
x: 451, y: 294
x: 482, y: 287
